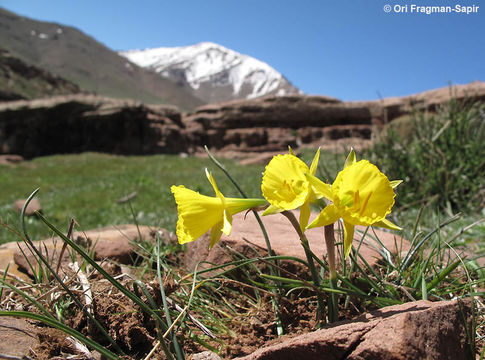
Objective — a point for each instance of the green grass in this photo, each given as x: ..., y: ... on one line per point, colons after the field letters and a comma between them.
x: 86, y: 187
x: 441, y: 159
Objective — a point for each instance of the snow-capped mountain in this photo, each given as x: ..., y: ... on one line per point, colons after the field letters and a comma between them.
x: 214, y: 72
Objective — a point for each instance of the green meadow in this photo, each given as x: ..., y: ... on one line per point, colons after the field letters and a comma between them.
x: 88, y: 188
x: 440, y: 206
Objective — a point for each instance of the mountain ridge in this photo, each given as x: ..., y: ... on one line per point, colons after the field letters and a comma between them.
x: 214, y: 72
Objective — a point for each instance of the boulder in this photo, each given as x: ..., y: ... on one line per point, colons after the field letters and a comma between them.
x: 246, y: 238
x: 113, y: 243
x: 415, y: 330
x: 33, y: 206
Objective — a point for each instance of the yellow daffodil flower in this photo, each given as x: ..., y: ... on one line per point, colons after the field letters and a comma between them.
x: 286, y: 187
x: 198, y: 213
x: 360, y: 195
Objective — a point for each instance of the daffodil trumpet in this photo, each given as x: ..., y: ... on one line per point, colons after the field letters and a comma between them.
x: 360, y: 195
x: 285, y: 186
x: 197, y: 213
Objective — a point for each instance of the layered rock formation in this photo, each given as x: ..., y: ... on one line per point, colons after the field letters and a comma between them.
x: 272, y: 123
x: 77, y: 123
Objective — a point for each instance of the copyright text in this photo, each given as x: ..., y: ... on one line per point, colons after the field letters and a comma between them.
x: 419, y: 9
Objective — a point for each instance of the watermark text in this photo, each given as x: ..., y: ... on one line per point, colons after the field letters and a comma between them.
x: 428, y: 10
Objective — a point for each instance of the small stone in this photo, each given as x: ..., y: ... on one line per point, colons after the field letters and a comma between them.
x: 33, y: 206
x: 18, y: 337
x: 205, y: 355
x: 10, y: 159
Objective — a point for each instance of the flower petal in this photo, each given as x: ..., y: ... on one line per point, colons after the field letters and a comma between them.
x: 304, y: 215
x: 216, y: 234
x: 348, y: 237
x: 271, y: 210
x: 395, y: 183
x: 211, y: 179
x: 196, y: 213
x: 227, y: 223
x: 364, y: 193
x: 313, y: 166
x: 326, y: 217
x: 284, y: 184
x: 387, y: 225
x: 351, y: 159
x: 319, y: 187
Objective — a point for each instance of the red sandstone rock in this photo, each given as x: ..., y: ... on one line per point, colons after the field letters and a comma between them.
x: 17, y: 336
x: 33, y: 206
x: 246, y: 236
x: 112, y: 243
x: 272, y: 123
x: 416, y: 330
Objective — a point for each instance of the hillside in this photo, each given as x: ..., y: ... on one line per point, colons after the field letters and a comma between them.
x: 21, y: 81
x: 75, y: 56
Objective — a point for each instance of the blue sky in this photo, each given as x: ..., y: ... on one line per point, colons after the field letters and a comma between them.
x: 349, y: 49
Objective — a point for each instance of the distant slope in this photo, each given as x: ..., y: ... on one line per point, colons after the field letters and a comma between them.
x: 214, y: 72
x: 21, y: 81
x: 75, y: 56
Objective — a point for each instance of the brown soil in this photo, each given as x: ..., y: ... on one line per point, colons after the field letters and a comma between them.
x: 250, y: 325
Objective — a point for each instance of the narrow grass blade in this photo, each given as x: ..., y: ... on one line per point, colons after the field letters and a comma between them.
x: 444, y: 273
x: 27, y: 297
x: 414, y: 250
x: 40, y: 257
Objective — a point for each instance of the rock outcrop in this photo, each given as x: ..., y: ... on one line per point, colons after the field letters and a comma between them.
x: 77, y: 123
x: 242, y: 128
x: 272, y: 123
x: 416, y: 330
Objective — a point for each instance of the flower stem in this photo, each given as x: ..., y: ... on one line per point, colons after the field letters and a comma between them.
x: 316, y: 280
x: 330, y: 243
x: 273, y: 270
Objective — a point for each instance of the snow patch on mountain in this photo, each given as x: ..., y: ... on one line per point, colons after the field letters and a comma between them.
x: 211, y: 65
